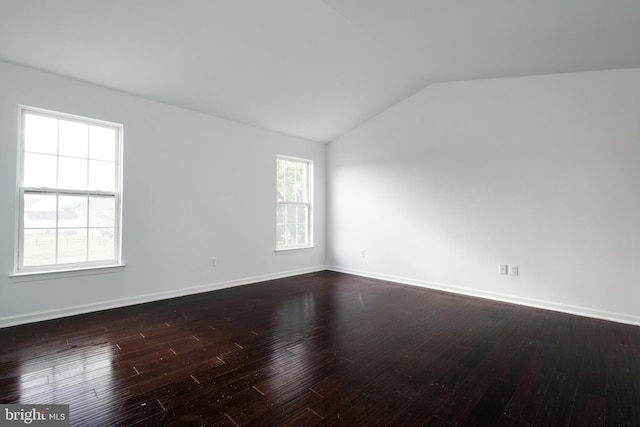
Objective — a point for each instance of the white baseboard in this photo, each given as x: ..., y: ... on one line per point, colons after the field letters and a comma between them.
x: 141, y: 299
x: 529, y: 302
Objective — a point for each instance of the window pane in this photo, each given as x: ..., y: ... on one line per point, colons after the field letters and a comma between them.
x: 39, y: 170
x: 39, y: 210
x: 302, y: 184
x: 102, y: 211
x: 291, y: 171
x: 72, y: 211
x: 101, y: 244
x: 302, y: 234
x: 298, y: 172
x: 74, y: 139
x: 281, y: 235
x: 291, y: 214
x: 299, y: 191
x: 39, y: 247
x: 40, y: 134
x: 280, y: 214
x: 290, y: 192
x: 72, y: 173
x: 280, y: 180
x: 291, y: 234
x: 102, y: 145
x: 302, y: 215
x: 102, y: 175
x: 72, y: 245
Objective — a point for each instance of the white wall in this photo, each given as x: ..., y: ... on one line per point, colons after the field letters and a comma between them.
x: 543, y: 172
x: 195, y: 186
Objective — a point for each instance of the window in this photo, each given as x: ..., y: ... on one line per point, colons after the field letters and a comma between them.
x: 294, y: 211
x: 69, y: 192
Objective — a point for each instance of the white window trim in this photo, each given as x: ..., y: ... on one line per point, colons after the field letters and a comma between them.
x: 59, y: 274
x: 309, y: 205
x: 69, y: 269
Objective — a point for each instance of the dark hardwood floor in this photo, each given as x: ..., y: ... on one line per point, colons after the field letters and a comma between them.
x: 327, y: 349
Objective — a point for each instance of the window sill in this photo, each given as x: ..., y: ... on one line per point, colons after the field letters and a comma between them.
x: 291, y: 250
x: 58, y: 274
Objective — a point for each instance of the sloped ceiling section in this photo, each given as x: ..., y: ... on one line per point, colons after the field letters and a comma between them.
x: 311, y: 68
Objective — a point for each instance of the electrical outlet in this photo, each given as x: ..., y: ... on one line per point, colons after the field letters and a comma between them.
x: 214, y: 261
x: 513, y: 269
x: 363, y: 253
x: 503, y: 269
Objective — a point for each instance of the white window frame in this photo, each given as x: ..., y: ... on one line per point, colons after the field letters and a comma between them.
x: 19, y: 268
x: 308, y: 203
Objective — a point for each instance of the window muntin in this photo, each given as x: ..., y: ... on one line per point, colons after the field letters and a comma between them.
x: 69, y: 192
x: 294, y: 212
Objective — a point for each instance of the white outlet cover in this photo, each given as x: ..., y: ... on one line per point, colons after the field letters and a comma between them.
x: 503, y: 269
x: 513, y: 269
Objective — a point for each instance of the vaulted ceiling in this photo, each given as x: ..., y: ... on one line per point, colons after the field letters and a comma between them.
x: 311, y: 68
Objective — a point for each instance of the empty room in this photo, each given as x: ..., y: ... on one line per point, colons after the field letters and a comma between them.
x: 320, y: 212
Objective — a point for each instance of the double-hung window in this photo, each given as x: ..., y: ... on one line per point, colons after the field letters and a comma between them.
x: 294, y: 210
x: 69, y: 192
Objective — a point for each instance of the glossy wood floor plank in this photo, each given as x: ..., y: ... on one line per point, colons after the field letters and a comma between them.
x: 327, y: 349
